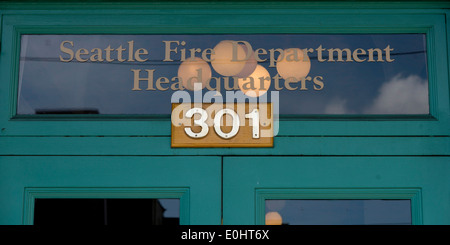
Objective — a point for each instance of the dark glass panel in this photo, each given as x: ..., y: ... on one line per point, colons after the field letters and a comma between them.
x: 82, y: 212
x: 338, y: 212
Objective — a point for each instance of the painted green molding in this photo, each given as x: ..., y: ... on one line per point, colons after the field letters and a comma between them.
x: 134, y: 4
x: 284, y: 146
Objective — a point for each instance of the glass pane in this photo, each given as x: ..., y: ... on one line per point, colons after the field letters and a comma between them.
x: 107, y: 211
x: 338, y: 212
x: 302, y: 73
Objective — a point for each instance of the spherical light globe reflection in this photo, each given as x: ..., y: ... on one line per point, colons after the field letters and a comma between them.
x: 294, y: 64
x: 273, y: 218
x: 257, y: 83
x: 194, y: 70
x: 222, y: 58
x: 250, y: 63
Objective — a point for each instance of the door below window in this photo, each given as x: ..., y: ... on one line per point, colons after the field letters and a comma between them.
x: 336, y: 190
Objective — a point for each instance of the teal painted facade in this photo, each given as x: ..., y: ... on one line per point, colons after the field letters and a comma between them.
x: 321, y: 157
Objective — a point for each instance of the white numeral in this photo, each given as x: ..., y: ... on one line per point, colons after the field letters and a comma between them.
x: 200, y: 122
x: 254, y: 115
x: 218, y: 118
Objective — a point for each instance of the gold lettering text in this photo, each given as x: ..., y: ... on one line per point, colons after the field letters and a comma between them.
x: 137, y: 79
x: 357, y: 52
x: 67, y: 51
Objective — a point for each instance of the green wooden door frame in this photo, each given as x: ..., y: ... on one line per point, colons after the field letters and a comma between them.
x: 249, y: 181
x: 411, y: 153
x: 196, y: 181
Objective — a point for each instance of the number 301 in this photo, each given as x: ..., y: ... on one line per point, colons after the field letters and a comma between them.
x: 254, y: 115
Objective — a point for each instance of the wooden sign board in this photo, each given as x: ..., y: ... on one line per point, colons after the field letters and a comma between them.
x: 222, y: 125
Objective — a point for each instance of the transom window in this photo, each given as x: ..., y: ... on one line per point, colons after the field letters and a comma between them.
x: 318, y: 74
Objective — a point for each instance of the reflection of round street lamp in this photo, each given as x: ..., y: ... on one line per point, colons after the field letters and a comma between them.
x: 250, y: 64
x: 251, y: 85
x: 294, y: 64
x: 194, y: 70
x: 273, y: 218
x: 229, y: 59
